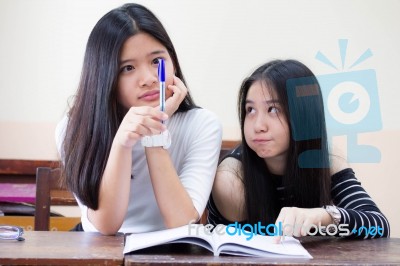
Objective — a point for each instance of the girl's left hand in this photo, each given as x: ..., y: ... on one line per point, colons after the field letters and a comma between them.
x: 298, y: 221
x: 179, y: 92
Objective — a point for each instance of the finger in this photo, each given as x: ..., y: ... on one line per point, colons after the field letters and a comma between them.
x: 306, y: 227
x: 179, y: 84
x: 132, y: 129
x: 281, y: 216
x: 179, y: 89
x: 133, y: 136
x: 142, y: 125
x: 155, y: 113
x: 298, y: 225
x: 147, y: 126
x: 278, y: 224
x: 289, y: 222
x: 179, y: 92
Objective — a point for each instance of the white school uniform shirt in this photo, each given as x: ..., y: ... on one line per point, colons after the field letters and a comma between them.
x: 196, y: 141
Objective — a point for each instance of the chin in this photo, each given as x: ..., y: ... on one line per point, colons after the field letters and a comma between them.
x: 264, y: 154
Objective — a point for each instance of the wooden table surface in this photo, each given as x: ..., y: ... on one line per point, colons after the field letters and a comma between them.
x: 325, y: 251
x: 62, y: 248
x: 79, y: 248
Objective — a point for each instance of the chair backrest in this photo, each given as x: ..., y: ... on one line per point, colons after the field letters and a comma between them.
x: 22, y: 171
x: 49, y: 192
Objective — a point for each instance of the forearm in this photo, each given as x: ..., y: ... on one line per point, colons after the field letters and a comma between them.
x: 174, y: 202
x: 114, y: 191
x: 359, y: 213
x: 365, y: 224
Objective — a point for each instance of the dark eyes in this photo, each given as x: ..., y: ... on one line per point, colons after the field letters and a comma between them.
x: 273, y: 109
x: 249, y: 109
x: 127, y: 68
x: 156, y: 60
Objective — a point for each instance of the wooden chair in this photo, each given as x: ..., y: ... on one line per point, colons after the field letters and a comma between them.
x: 22, y: 171
x: 50, y: 192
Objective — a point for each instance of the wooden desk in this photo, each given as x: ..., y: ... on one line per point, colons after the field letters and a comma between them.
x: 79, y: 248
x: 62, y: 248
x: 326, y: 251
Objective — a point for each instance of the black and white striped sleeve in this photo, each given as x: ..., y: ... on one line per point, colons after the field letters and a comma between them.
x: 358, y: 211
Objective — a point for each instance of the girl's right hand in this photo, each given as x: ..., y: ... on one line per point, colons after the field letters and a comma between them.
x: 179, y: 92
x: 138, y: 122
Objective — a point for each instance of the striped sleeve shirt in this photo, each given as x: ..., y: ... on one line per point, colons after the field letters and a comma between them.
x: 357, y: 209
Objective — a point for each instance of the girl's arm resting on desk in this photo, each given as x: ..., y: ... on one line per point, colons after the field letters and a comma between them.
x: 357, y: 209
x: 182, y: 192
x: 173, y: 200
x: 115, y: 183
x: 114, y: 192
x: 359, y: 214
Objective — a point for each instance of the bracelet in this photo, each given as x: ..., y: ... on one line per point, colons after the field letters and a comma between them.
x: 161, y: 140
x: 334, y: 213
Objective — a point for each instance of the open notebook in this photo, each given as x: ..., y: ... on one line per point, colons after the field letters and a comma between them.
x: 218, y: 242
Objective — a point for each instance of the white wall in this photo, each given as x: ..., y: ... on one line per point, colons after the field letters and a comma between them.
x: 218, y: 43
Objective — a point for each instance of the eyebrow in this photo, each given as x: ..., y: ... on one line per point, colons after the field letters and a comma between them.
x: 157, y: 52
x: 269, y: 102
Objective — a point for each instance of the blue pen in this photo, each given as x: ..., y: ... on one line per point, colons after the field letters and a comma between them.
x: 161, y: 79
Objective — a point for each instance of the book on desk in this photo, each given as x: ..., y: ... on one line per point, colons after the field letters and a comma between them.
x: 218, y: 242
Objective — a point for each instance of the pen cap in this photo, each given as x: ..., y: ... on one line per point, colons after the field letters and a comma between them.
x: 161, y: 70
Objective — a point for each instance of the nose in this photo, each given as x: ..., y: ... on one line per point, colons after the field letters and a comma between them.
x: 260, y: 123
x: 148, y: 76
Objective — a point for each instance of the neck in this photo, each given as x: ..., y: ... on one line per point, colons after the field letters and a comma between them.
x: 276, y: 165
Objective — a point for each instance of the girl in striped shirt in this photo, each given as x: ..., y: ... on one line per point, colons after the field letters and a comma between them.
x: 283, y: 173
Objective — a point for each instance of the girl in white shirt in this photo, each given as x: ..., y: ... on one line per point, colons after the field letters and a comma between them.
x: 120, y: 185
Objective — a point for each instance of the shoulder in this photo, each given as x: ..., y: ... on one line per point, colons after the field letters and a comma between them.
x: 337, y: 163
x: 341, y: 174
x: 61, y: 125
x: 232, y: 166
x: 228, y: 190
x: 60, y: 132
x: 197, y: 125
x: 197, y: 116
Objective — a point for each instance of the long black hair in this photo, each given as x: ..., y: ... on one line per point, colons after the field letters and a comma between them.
x: 96, y: 113
x: 306, y: 180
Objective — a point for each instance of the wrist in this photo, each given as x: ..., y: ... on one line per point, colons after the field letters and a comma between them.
x: 334, y: 213
x: 120, y: 148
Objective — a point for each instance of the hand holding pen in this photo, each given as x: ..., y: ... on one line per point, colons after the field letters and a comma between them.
x: 164, y: 138
x: 178, y: 89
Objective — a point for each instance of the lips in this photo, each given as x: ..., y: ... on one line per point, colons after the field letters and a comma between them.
x: 261, y: 140
x: 150, y: 95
